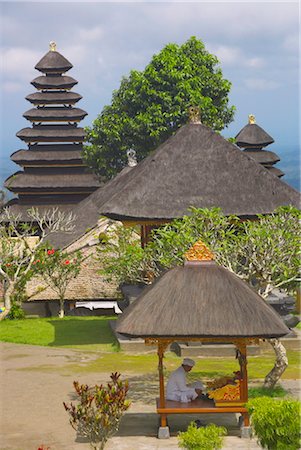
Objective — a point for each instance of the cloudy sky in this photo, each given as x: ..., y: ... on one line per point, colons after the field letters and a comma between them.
x: 256, y: 43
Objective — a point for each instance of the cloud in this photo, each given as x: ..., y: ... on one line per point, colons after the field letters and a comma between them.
x: 19, y: 61
x: 291, y: 43
x: 261, y: 84
x: 92, y: 34
x: 234, y: 56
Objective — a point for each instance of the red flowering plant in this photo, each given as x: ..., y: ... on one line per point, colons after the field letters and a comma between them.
x: 58, y: 268
x: 99, y: 411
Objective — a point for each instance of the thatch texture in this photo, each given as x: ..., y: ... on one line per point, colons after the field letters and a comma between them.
x: 197, y: 167
x: 200, y: 299
x: 52, y: 133
x: 60, y: 82
x: 31, y: 157
x: 253, y: 135
x: 53, y: 62
x: 262, y: 156
x: 55, y: 114
x: 87, y: 211
x: 53, y: 98
x: 39, y: 182
x: 276, y: 172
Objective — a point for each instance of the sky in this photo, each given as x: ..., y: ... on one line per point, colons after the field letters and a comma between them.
x: 255, y: 42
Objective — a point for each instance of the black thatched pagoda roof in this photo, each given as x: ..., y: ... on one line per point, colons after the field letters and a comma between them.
x: 52, y: 133
x: 200, y: 300
x: 253, y: 135
x: 53, y: 98
x: 29, y: 182
x: 58, y: 114
x: 53, y: 62
x: 197, y: 167
x: 265, y: 157
x: 32, y: 157
x: 53, y: 82
x: 54, y: 172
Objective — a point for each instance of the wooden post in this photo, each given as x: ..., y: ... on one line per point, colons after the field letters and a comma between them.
x: 244, y: 382
x: 161, y: 382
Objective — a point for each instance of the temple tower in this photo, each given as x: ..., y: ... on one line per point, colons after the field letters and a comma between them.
x: 54, y: 173
x: 253, y: 139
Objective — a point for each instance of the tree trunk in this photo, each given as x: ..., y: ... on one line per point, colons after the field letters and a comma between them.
x: 61, y: 312
x: 7, y: 296
x: 280, y: 365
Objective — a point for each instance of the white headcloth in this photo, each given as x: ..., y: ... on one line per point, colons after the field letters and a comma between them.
x: 188, y: 362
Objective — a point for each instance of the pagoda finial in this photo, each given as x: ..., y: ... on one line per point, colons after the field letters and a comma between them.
x: 194, y: 114
x: 252, y: 119
x: 52, y: 46
x: 199, y: 252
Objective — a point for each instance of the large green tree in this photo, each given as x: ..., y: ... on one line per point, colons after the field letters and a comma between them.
x: 150, y: 105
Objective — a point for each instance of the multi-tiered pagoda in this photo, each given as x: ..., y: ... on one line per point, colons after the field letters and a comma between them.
x: 253, y: 139
x: 54, y: 173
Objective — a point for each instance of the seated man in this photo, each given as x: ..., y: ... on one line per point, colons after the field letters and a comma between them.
x: 176, y: 387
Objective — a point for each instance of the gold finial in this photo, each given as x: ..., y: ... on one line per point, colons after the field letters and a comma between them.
x: 52, y: 46
x: 194, y: 114
x: 252, y: 119
x: 199, y: 252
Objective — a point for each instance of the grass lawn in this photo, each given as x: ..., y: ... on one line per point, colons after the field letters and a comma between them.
x: 94, y: 334
x: 85, y: 333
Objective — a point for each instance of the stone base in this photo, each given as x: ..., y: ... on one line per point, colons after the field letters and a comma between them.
x: 246, y: 432
x: 163, y: 433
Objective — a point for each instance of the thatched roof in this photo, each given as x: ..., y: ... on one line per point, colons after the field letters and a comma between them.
x: 196, y: 167
x: 59, y: 82
x: 48, y: 158
x: 253, y: 135
x: 53, y: 114
x: 52, y: 133
x: 87, y: 211
x: 53, y: 98
x: 71, y: 182
x: 53, y: 62
x: 276, y: 172
x: 262, y: 156
x: 200, y: 299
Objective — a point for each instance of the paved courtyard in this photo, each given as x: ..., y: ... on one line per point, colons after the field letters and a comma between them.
x: 33, y: 387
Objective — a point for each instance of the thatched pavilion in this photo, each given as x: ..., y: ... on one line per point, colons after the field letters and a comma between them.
x: 194, y: 167
x: 201, y: 301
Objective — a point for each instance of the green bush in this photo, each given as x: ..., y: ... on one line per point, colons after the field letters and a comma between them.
x: 203, y: 438
x: 276, y: 423
x: 16, y: 312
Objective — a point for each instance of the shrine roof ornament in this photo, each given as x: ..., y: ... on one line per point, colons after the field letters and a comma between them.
x: 199, y: 252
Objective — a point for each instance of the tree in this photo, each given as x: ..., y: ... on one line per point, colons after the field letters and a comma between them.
x: 57, y: 269
x: 100, y: 408
x: 22, y: 243
x: 265, y: 253
x: 151, y: 105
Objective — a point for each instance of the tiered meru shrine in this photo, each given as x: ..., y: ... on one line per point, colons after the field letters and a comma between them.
x: 54, y: 173
x: 253, y: 139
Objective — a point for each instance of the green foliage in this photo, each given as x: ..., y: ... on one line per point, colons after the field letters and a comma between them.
x: 260, y: 391
x: 276, y: 422
x: 151, y: 105
x: 203, y: 438
x: 123, y: 259
x: 57, y: 268
x: 16, y: 312
x: 100, y: 408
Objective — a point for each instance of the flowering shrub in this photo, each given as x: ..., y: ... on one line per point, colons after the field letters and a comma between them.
x: 57, y: 269
x: 100, y: 408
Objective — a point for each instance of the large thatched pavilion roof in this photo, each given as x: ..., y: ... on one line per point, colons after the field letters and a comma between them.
x: 197, y: 167
x: 200, y: 300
